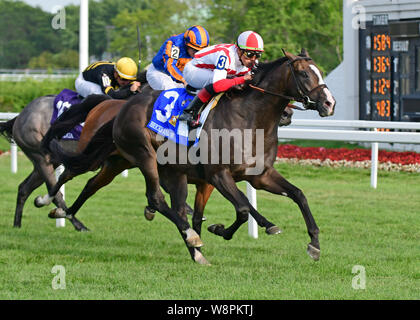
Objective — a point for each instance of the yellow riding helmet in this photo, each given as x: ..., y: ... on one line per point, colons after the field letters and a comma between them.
x: 126, y: 68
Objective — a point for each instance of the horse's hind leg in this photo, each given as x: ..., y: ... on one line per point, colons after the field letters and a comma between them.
x: 33, y: 181
x: 202, y: 195
x: 178, y: 189
x: 46, y: 171
x: 53, y: 191
x: 144, y: 157
x: 113, y: 166
x: 272, y: 181
x: 225, y: 184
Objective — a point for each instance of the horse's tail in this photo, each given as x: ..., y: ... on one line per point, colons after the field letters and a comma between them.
x: 6, y: 129
x: 70, y: 118
x: 92, y: 157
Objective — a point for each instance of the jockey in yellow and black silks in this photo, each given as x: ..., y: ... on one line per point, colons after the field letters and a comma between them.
x: 118, y: 80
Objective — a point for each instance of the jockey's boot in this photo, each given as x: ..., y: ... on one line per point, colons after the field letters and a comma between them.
x: 190, y: 113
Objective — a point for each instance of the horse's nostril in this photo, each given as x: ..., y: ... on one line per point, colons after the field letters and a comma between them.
x: 328, y: 103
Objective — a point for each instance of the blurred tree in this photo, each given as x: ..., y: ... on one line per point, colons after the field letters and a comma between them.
x: 26, y: 32
x: 155, y: 25
x: 289, y: 24
x: 67, y: 59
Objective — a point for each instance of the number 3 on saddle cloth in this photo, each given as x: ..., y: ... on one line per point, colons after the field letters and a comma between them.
x: 166, y: 110
x: 64, y: 100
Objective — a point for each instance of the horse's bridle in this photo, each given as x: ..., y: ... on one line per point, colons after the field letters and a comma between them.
x: 304, y: 96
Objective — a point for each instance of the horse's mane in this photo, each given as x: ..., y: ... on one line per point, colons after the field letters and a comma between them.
x: 263, y: 68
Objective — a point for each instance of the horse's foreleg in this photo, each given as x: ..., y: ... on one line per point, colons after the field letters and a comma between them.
x: 273, y: 182
x: 146, y: 161
x: 33, y: 181
x: 225, y: 184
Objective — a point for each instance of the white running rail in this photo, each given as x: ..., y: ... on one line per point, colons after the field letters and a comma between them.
x: 350, y: 132
x: 317, y: 130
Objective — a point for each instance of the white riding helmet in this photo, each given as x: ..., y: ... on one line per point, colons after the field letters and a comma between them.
x: 250, y: 40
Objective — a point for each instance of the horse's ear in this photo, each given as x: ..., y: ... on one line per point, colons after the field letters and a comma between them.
x: 304, y: 53
x: 289, y: 55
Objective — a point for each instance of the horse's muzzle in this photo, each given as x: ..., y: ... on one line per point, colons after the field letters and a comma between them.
x: 326, y: 109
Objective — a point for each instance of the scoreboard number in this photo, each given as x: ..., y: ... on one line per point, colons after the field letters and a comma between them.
x: 381, y: 76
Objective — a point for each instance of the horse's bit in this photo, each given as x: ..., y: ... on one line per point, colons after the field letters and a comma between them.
x: 305, y: 97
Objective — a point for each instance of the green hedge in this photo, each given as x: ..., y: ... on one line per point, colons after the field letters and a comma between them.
x: 14, y: 96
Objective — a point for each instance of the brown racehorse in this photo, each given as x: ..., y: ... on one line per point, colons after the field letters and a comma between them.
x: 114, y: 165
x: 294, y: 77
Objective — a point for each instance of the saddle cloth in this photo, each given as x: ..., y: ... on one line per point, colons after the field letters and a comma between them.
x: 64, y: 100
x: 166, y: 110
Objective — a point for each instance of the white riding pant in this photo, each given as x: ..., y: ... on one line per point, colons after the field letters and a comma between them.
x: 85, y: 88
x: 159, y: 80
x: 197, y: 77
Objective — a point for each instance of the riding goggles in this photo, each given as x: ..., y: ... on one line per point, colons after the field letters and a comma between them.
x: 250, y: 54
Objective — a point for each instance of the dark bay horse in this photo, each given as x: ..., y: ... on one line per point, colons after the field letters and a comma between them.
x: 292, y: 77
x: 113, y: 165
x: 110, y: 167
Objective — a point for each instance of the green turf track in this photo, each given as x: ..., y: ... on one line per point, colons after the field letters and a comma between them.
x: 126, y: 257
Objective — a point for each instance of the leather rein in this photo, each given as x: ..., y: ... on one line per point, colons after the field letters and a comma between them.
x: 304, y: 97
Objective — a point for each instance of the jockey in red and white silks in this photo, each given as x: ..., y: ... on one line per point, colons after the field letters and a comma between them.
x: 214, y: 63
x: 219, y: 67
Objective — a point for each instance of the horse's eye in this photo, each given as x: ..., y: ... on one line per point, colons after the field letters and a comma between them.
x: 305, y: 74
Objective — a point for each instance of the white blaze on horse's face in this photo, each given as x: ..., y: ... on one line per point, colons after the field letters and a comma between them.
x: 327, y: 92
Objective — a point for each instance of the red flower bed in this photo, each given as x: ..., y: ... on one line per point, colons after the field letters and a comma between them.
x: 291, y: 151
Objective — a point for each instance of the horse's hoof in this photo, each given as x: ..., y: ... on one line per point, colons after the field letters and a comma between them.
x: 57, y: 213
x: 199, y: 258
x: 149, y: 213
x: 192, y: 238
x: 38, y: 202
x: 313, y: 252
x: 81, y: 228
x: 273, y: 230
x: 77, y: 224
x: 217, y: 229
